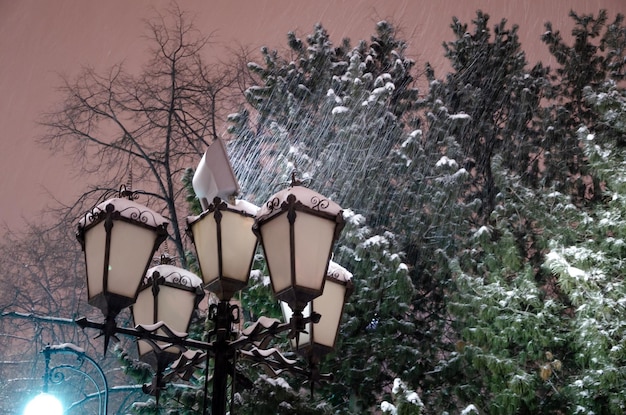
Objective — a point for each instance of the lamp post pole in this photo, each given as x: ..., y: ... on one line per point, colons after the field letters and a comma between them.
x: 53, y: 374
x: 223, y: 356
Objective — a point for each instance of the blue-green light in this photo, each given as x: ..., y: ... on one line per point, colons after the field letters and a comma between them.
x: 44, y: 404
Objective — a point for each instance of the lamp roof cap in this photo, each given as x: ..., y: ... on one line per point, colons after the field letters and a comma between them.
x: 307, y: 197
x: 127, y: 209
x: 338, y: 272
x: 176, y: 275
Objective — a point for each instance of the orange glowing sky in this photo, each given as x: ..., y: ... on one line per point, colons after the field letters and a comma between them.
x: 41, y: 39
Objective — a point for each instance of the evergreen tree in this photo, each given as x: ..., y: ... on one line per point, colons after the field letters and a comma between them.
x: 596, y: 55
x: 350, y: 130
x: 589, y: 270
x: 535, y: 303
x: 330, y: 113
x: 491, y: 84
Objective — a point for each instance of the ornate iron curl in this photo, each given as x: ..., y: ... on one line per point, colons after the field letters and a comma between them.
x: 94, y: 215
x: 319, y: 203
x: 172, y: 278
x: 273, y: 204
x: 54, y: 375
x: 179, y: 279
x: 142, y: 216
x: 334, y: 275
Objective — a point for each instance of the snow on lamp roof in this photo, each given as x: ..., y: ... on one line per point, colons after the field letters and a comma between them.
x: 241, y: 206
x: 127, y: 209
x: 305, y: 196
x: 338, y: 272
x: 174, y: 275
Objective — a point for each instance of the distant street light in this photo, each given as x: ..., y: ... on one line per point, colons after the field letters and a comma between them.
x: 48, y: 404
x: 44, y: 403
x: 297, y: 229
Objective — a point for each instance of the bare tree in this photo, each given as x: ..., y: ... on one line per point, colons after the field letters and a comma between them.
x: 155, y: 124
x: 43, y: 290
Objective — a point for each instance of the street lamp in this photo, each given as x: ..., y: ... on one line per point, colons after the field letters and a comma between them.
x: 167, y: 293
x: 225, y: 245
x: 319, y: 339
x: 46, y: 403
x: 119, y: 238
x: 297, y: 229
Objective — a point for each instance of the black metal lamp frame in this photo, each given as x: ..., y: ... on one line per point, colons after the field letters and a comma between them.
x: 223, y: 346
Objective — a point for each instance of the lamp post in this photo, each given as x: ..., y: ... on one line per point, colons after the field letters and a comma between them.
x: 296, y: 228
x: 45, y: 403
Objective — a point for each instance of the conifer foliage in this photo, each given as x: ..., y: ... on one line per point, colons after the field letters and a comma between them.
x: 469, y: 188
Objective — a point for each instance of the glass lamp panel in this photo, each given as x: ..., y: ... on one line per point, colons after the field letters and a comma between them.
x: 132, y: 247
x: 205, y: 240
x: 330, y: 306
x: 275, y: 236
x: 238, y: 245
x: 143, y: 310
x: 175, y: 307
x: 313, y: 242
x: 95, y: 241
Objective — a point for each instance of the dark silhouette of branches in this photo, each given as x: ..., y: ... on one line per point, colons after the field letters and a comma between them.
x: 154, y: 124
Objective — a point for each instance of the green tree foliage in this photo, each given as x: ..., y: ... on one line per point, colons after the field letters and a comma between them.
x: 271, y: 396
x: 589, y: 270
x: 405, y: 401
x: 535, y: 304
x: 350, y: 130
x: 491, y: 84
x: 596, y: 55
x: 336, y: 104
x: 378, y: 319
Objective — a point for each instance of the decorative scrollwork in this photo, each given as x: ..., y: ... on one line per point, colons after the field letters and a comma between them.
x: 138, y: 215
x: 273, y: 204
x: 179, y: 279
x: 334, y: 275
x: 135, y: 213
x: 319, y: 203
x: 94, y: 215
x: 56, y: 376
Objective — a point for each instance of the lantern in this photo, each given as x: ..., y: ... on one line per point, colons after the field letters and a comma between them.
x: 297, y: 228
x: 119, y: 238
x: 225, y: 245
x: 320, y: 338
x: 170, y: 295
